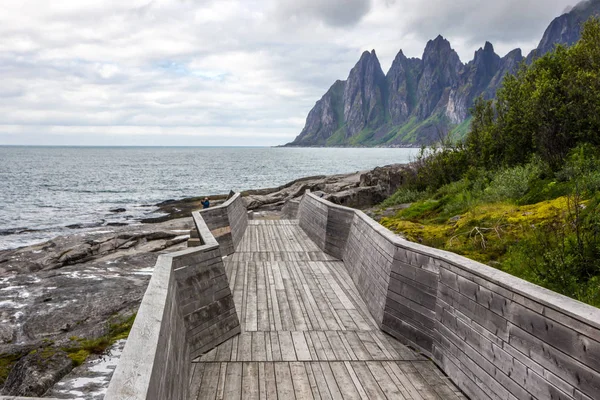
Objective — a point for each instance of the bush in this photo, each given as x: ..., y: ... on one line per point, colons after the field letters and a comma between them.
x: 403, y: 195
x: 513, y: 183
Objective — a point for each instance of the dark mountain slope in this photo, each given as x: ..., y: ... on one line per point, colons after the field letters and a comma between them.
x: 420, y: 100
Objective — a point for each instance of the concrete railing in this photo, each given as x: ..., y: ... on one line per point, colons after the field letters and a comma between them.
x: 495, y: 335
x: 226, y: 222
x: 187, y: 310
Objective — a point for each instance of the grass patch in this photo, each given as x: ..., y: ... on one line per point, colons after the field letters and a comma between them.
x: 6, y: 363
x: 484, y: 233
x: 80, y: 348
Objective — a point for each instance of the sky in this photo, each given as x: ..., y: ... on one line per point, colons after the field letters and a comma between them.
x: 216, y: 72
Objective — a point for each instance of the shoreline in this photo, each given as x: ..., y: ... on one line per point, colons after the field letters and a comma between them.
x: 65, y: 291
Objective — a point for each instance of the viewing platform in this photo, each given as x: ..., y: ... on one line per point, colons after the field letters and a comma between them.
x: 331, y: 305
x: 306, y: 332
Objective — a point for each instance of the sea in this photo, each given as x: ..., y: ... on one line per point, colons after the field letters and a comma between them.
x: 50, y: 191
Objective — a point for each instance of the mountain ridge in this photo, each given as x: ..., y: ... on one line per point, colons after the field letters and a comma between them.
x: 420, y: 100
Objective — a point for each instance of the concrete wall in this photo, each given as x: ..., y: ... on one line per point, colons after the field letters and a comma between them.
x: 496, y: 336
x: 227, y: 224
x: 290, y: 209
x: 187, y: 310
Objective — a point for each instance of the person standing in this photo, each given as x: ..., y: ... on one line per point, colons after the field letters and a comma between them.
x: 205, y: 203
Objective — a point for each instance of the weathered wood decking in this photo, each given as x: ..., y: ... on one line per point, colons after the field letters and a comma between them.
x: 306, y: 332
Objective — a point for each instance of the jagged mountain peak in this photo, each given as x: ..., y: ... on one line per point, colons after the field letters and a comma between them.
x: 420, y: 99
x: 516, y: 53
x: 437, y: 45
x: 566, y: 28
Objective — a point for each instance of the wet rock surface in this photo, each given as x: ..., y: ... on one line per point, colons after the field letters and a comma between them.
x: 90, y: 380
x: 35, y: 373
x: 69, y: 287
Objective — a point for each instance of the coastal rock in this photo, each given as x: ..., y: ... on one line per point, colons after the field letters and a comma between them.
x: 359, y: 189
x: 71, y: 286
x: 35, y: 373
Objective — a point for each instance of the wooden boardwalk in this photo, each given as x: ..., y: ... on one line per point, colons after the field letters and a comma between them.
x: 306, y: 332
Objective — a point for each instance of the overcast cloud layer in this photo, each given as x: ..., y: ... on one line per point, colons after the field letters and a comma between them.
x: 216, y: 72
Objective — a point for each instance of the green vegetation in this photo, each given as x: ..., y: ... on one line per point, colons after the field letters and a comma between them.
x: 80, y: 348
x: 521, y: 192
x: 6, y: 363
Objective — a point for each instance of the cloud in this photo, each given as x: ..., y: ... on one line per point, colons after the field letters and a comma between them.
x: 337, y: 13
x: 208, y: 71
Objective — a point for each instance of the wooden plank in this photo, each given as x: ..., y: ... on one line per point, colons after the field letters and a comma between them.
x: 210, y: 381
x: 347, y: 345
x: 274, y: 304
x: 233, y: 381
x: 196, y: 379
x: 283, y: 378
x: 357, y: 346
x: 250, y: 387
x: 301, y: 346
x: 244, y: 347
x: 224, y: 351
x: 262, y: 303
x: 302, y: 387
x: 332, y: 385
x: 288, y: 352
x: 367, y: 380
x: 210, y: 356
x: 275, y: 349
x: 262, y: 381
x: 251, y: 306
x: 345, y: 382
x: 222, y: 377
x: 337, y: 346
x: 425, y: 390
x: 270, y: 382
x: 305, y: 307
x: 259, y: 352
x: 327, y: 348
x: 441, y: 387
x: 234, y: 347
x: 385, y: 382
x: 312, y: 381
x: 371, y: 346
x: 317, y: 346
x: 395, y: 371
x: 290, y: 293
x: 320, y: 381
x: 311, y: 346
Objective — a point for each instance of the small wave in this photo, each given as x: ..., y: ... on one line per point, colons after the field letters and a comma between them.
x: 17, y: 231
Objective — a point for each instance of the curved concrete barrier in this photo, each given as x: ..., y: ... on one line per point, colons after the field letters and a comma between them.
x: 187, y: 310
x: 496, y: 336
x: 226, y: 222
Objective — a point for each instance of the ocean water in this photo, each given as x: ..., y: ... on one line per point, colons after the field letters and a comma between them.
x: 51, y: 191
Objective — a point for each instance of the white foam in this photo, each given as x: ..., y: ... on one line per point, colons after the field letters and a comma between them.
x: 10, y: 304
x: 144, y: 271
x: 11, y: 288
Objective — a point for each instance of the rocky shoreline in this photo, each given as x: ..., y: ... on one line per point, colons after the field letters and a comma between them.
x: 74, y: 296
